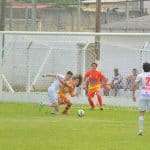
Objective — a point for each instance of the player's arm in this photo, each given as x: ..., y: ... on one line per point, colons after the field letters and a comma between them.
x: 105, y: 83
x: 58, y: 76
x: 69, y: 85
x: 134, y: 87
x: 49, y: 75
x: 85, y: 77
x: 85, y: 84
x: 104, y: 80
x: 73, y: 93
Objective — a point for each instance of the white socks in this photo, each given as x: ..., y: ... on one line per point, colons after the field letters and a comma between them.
x: 141, y: 123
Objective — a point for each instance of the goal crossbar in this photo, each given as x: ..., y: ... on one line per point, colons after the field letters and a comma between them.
x: 74, y: 33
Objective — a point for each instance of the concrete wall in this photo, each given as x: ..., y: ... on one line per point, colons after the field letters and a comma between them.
x: 58, y: 19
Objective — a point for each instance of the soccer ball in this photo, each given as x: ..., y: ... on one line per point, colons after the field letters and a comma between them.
x: 81, y: 113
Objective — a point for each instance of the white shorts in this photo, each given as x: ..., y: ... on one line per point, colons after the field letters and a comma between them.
x: 52, y: 95
x: 144, y: 104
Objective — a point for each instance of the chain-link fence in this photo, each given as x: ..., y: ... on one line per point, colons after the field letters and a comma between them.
x: 26, y: 56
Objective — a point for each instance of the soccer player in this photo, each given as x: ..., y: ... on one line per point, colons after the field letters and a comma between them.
x: 143, y: 81
x: 54, y: 88
x: 67, y: 90
x: 94, y: 81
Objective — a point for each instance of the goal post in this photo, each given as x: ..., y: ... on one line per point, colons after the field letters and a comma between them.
x: 145, y: 49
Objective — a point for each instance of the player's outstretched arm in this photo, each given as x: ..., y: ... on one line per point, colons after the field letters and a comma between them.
x: 49, y: 75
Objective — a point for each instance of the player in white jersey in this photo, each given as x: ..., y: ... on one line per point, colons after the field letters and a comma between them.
x: 54, y: 88
x: 143, y: 81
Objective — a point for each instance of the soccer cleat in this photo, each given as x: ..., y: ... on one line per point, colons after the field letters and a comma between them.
x: 101, y: 108
x: 140, y: 133
x: 54, y: 113
x: 92, y: 108
x: 65, y: 112
x: 41, y: 105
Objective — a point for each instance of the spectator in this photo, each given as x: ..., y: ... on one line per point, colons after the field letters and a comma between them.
x: 117, y: 82
x: 130, y: 79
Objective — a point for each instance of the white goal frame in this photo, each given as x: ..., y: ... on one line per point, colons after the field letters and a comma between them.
x: 144, y: 49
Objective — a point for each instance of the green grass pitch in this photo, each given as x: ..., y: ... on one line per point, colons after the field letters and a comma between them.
x: 25, y: 127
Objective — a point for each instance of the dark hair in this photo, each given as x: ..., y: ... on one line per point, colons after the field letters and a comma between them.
x: 69, y: 73
x: 134, y: 69
x: 79, y: 77
x: 94, y: 64
x: 146, y: 67
x: 116, y: 69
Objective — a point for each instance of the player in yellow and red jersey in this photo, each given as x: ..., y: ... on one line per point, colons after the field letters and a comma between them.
x: 68, y: 90
x: 94, y: 82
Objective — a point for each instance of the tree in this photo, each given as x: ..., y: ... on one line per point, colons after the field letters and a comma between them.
x: 98, y: 29
x: 141, y: 7
x: 52, y: 1
x: 2, y: 14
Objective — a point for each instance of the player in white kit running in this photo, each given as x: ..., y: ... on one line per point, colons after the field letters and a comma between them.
x: 143, y: 81
x: 54, y: 88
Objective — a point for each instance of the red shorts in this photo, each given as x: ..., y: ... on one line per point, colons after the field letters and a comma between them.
x: 93, y: 89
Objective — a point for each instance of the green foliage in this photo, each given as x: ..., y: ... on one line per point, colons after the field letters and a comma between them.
x: 51, y: 1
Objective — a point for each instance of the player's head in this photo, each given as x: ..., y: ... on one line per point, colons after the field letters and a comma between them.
x: 69, y: 75
x: 94, y: 66
x: 116, y: 71
x: 78, y: 80
x: 146, y: 67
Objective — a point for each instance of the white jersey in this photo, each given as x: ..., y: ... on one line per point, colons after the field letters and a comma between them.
x: 144, y: 84
x: 57, y: 83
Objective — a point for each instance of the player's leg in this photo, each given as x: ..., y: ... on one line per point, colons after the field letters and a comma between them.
x: 98, y: 92
x: 142, y: 109
x: 100, y: 100
x: 115, y: 90
x: 145, y: 104
x: 90, y: 99
x: 141, y: 123
x: 88, y: 93
x: 53, y: 98
x: 55, y: 106
x: 67, y: 107
x: 63, y: 100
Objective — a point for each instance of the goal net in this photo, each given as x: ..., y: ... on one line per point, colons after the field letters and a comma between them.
x: 26, y: 56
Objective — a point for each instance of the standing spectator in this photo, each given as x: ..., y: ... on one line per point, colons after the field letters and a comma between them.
x: 117, y: 82
x: 131, y: 79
